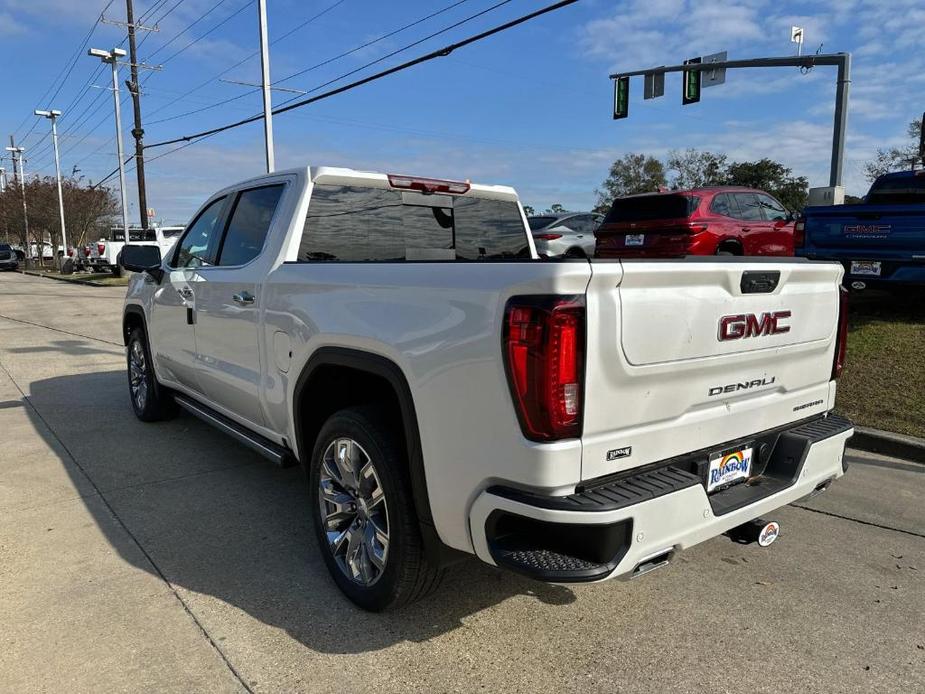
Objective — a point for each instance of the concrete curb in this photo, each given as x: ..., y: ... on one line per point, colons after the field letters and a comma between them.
x: 887, y: 443
x: 88, y: 283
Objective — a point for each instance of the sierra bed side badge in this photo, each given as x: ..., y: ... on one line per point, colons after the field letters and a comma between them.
x: 743, y: 325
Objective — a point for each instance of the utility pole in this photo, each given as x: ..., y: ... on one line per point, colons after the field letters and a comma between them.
x: 17, y: 155
x: 53, y: 117
x: 137, y: 131
x: 112, y: 57
x: 265, y: 83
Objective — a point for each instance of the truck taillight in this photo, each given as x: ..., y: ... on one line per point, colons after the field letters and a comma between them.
x: 841, y: 337
x: 87, y: 251
x: 544, y: 344
x: 101, y: 248
x: 799, y: 234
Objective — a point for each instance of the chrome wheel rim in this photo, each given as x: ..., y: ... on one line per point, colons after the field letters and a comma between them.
x: 354, y: 512
x: 138, y: 374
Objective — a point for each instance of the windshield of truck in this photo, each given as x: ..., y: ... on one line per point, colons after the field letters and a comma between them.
x: 358, y: 224
x: 901, y: 190
x: 644, y: 208
x: 5, y: 247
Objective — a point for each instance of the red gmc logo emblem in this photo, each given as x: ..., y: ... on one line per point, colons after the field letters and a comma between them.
x: 749, y: 325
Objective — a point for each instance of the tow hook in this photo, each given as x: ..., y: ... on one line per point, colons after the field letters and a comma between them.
x: 759, y: 530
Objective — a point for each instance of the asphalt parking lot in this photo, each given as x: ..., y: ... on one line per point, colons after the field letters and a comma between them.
x: 169, y: 558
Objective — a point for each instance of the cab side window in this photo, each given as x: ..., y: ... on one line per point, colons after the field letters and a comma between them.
x: 249, y: 224
x: 197, y: 247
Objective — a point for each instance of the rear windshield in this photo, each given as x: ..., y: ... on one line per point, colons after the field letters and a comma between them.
x: 5, y: 247
x: 359, y: 224
x: 905, y: 190
x: 649, y: 207
x: 540, y: 222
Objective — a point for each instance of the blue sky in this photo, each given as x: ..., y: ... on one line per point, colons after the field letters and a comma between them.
x: 529, y: 108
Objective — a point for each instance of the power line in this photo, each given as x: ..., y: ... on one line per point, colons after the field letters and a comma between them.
x: 190, y: 26
x: 190, y: 140
x: 68, y: 68
x: 255, y: 53
x: 439, y: 53
x: 346, y: 53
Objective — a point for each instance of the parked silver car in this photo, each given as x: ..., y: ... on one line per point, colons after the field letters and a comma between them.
x: 568, y: 234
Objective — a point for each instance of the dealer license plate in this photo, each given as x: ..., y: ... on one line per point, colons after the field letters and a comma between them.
x: 729, y: 466
x: 635, y: 239
x: 865, y: 267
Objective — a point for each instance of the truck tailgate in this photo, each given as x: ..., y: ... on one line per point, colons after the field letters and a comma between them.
x: 876, y: 230
x: 680, y: 358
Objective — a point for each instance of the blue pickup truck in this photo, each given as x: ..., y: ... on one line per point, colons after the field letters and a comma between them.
x: 881, y: 243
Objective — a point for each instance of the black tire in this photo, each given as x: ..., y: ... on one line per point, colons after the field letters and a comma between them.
x: 720, y: 252
x: 575, y: 253
x: 151, y: 401
x: 406, y: 575
x: 116, y: 269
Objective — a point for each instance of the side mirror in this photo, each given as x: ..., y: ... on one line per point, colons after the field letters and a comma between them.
x: 142, y: 259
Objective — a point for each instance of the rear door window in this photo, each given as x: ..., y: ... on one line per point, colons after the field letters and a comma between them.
x: 749, y: 207
x: 360, y: 224
x: 249, y: 223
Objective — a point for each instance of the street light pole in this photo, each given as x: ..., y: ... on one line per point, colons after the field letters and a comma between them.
x: 265, y: 83
x: 53, y: 117
x: 17, y: 153
x: 112, y: 58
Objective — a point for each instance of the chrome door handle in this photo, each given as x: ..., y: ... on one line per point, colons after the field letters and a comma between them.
x: 243, y: 299
x: 185, y: 292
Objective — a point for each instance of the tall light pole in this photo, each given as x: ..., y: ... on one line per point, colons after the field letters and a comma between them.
x: 53, y: 117
x: 17, y: 157
x: 112, y: 57
x: 265, y: 84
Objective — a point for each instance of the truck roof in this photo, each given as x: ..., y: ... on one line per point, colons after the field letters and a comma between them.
x: 373, y: 179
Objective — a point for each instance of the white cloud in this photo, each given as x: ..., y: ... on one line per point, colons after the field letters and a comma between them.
x: 10, y: 26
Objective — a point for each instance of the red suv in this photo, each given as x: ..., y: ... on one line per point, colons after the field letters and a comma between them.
x: 702, y: 221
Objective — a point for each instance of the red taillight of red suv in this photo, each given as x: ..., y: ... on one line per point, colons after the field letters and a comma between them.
x: 799, y: 234
x: 841, y: 337
x: 544, y: 344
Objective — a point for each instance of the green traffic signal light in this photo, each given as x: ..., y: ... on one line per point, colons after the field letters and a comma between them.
x: 621, y: 97
x: 691, y: 84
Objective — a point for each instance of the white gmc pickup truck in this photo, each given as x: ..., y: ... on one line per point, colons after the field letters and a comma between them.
x: 448, y: 392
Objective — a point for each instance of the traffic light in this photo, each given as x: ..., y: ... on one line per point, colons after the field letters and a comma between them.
x: 621, y: 97
x: 691, y: 83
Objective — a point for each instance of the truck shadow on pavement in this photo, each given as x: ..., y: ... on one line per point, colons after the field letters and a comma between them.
x: 222, y: 525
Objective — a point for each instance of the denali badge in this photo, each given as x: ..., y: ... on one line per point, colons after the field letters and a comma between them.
x: 749, y: 325
x: 616, y: 453
x: 733, y: 387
